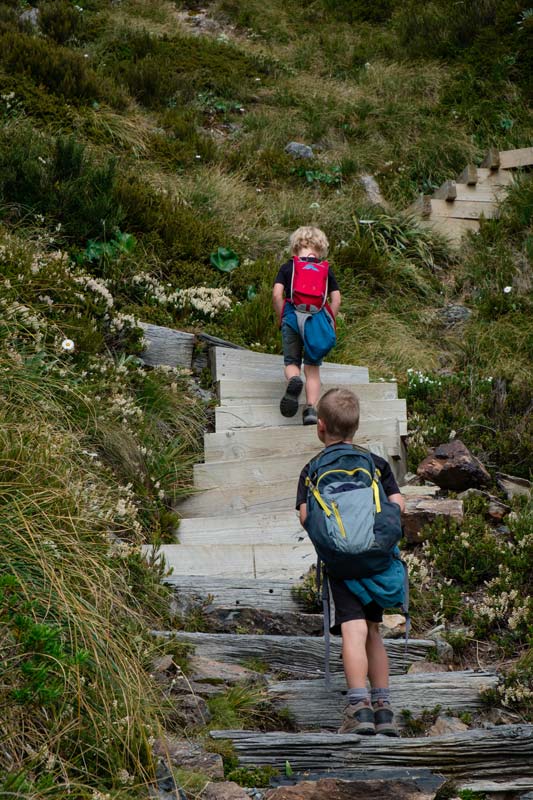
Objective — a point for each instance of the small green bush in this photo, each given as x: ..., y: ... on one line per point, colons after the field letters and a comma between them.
x: 62, y: 71
x: 59, y: 20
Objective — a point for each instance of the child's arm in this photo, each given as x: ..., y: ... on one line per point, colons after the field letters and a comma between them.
x: 303, y: 513
x: 278, y: 300
x: 398, y: 499
x: 335, y: 302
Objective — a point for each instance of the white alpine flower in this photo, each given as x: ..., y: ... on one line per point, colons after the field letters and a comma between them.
x: 68, y: 345
x: 507, y: 289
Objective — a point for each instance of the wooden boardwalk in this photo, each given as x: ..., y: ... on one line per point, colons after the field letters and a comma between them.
x: 457, y: 206
x: 240, y: 546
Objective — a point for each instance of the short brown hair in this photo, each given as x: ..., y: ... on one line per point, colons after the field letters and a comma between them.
x: 339, y: 411
x: 309, y: 237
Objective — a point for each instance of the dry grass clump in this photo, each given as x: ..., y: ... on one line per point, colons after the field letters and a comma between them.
x: 75, y: 698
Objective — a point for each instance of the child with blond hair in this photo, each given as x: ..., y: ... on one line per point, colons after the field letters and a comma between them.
x: 307, y: 320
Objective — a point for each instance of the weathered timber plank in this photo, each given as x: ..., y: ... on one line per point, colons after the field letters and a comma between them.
x: 248, y: 498
x: 477, y: 754
x: 297, y: 655
x: 232, y: 392
x: 482, y: 193
x: 276, y: 528
x: 313, y: 706
x: 264, y: 442
x: 502, y: 177
x: 421, y: 511
x: 464, y: 209
x: 448, y: 191
x: 269, y: 415
x: 264, y: 470
x: 245, y: 561
x: 234, y: 364
x: 423, y: 781
x: 166, y: 346
x: 492, y: 159
x: 510, y: 159
x: 501, y: 788
x: 263, y: 594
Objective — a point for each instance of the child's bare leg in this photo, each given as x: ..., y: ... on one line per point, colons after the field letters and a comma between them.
x: 378, y: 673
x: 354, y: 656
x: 312, y: 384
x: 378, y: 661
x: 291, y: 371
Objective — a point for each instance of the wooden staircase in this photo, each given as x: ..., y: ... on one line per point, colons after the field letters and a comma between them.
x: 240, y: 544
x: 458, y: 205
x: 241, y: 523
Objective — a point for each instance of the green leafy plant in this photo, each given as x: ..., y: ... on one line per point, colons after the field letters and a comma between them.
x: 224, y: 259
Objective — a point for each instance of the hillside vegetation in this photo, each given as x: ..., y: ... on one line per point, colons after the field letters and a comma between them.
x: 137, y: 138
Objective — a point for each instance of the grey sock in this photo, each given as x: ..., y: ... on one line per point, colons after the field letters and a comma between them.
x: 380, y: 694
x: 357, y: 695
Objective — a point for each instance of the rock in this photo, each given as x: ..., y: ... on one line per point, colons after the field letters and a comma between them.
x: 427, y: 666
x: 163, y: 664
x: 497, y: 510
x: 472, y: 493
x: 411, y: 479
x: 444, y: 648
x: 393, y: 626
x: 421, y: 511
x: 501, y: 716
x: 182, y: 685
x: 224, y: 791
x: 205, y: 670
x: 446, y: 724
x: 334, y: 789
x: 189, y: 755
x: 190, y: 711
x: 166, y: 783
x: 31, y: 15
x: 299, y: 150
x: 513, y: 487
x: 453, y: 314
x: 372, y: 190
x: 452, y: 466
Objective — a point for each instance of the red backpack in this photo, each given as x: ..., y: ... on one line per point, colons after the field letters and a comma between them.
x: 309, y: 286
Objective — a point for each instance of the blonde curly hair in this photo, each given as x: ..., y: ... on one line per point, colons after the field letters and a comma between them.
x: 309, y: 237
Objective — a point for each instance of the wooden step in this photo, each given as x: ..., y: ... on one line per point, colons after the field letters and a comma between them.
x: 452, y: 229
x: 232, y: 392
x: 505, y: 750
x: 274, y: 596
x: 313, y: 706
x: 242, y: 499
x: 279, y: 441
x: 269, y: 415
x: 276, y: 528
x: 463, y: 209
x: 297, y: 655
x: 238, y: 561
x: 245, y: 364
x: 510, y: 159
x: 260, y: 471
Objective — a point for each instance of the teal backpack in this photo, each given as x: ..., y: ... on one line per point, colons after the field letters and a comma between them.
x: 351, y: 523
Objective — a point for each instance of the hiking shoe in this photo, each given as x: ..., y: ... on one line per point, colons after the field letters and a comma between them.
x: 288, y: 405
x: 309, y: 416
x: 358, y: 718
x: 384, y: 720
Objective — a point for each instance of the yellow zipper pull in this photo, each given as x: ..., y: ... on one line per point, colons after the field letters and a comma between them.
x: 376, y: 496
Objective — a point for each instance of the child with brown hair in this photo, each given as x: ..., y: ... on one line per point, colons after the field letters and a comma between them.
x: 300, y: 297
x: 357, y: 611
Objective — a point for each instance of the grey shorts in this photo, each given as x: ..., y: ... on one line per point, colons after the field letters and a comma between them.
x: 293, y: 348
